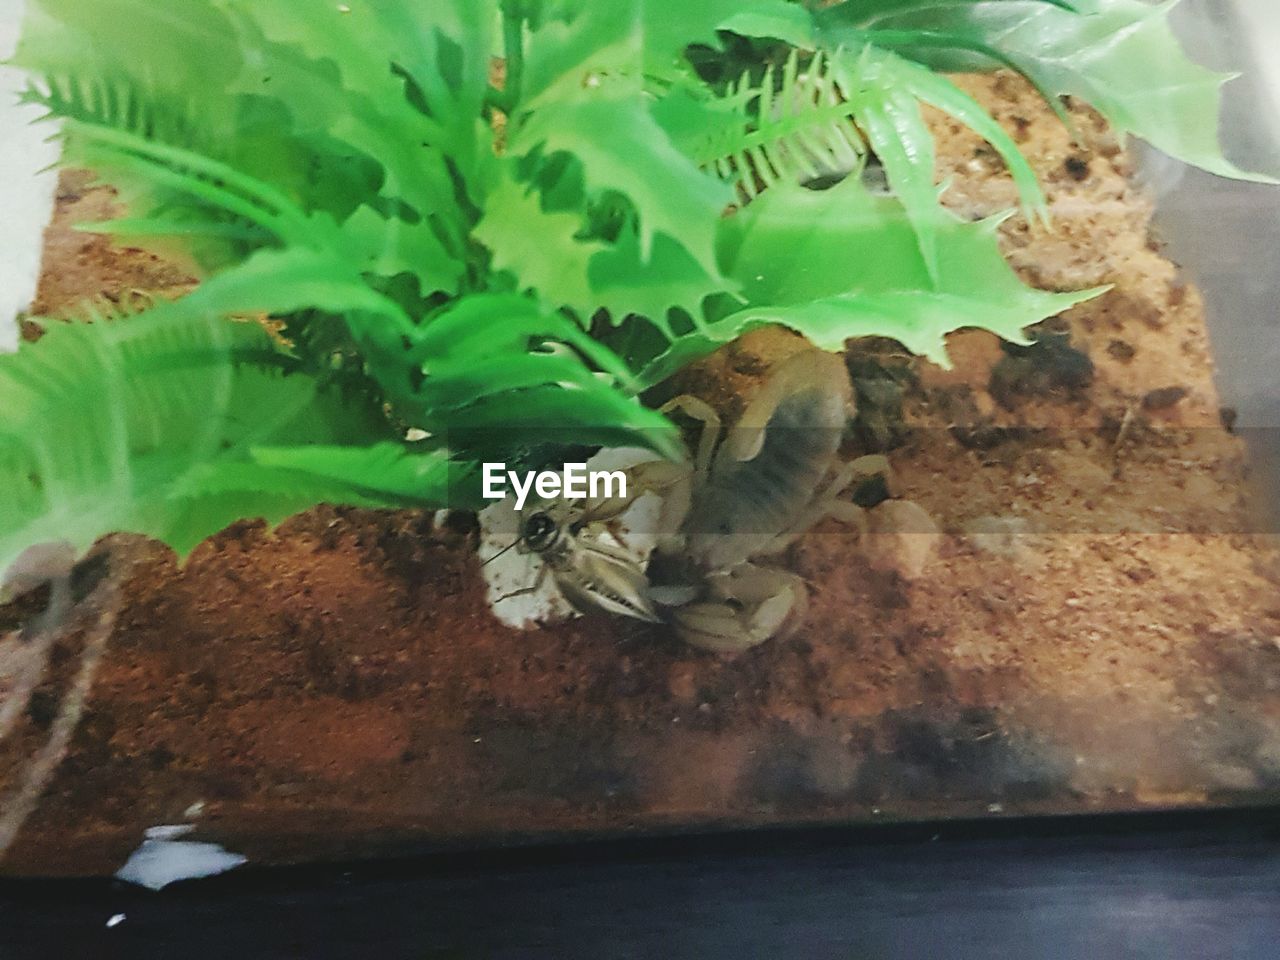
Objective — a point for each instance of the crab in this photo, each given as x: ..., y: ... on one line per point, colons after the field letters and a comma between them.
x: 701, y: 561
x: 749, y: 492
x: 694, y: 543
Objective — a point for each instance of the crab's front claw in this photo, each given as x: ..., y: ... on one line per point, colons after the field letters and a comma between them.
x: 741, y: 609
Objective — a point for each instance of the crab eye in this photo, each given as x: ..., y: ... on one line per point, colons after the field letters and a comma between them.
x: 540, y: 531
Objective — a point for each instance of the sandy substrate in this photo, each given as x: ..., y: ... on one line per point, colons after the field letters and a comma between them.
x: 1094, y: 624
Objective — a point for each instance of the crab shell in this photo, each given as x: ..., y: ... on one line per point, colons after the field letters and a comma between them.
x: 762, y: 486
x: 770, y: 466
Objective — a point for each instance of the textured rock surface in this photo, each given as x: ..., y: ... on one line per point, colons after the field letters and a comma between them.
x: 1095, y: 625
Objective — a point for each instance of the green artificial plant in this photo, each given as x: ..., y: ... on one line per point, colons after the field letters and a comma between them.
x: 485, y: 228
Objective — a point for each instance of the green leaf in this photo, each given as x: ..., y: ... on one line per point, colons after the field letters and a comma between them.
x: 335, y: 78
x: 890, y: 117
x: 668, y: 32
x: 190, y: 51
x: 564, y: 417
x: 589, y: 45
x: 390, y: 245
x: 141, y: 424
x: 168, y: 72
x: 444, y: 48
x: 884, y: 88
x: 793, y: 246
x: 843, y: 263
x: 788, y: 126
x: 383, y: 474
x: 366, y: 241
x: 298, y: 280
x: 485, y: 324
x: 499, y: 364
x: 625, y: 285
x: 623, y: 149
x: 289, y: 281
x: 1121, y: 56
x: 771, y: 20
x: 540, y: 249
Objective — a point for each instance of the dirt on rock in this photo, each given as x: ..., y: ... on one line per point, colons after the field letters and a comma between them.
x: 1090, y: 621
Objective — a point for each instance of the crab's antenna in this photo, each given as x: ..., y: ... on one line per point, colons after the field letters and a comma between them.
x: 502, y: 552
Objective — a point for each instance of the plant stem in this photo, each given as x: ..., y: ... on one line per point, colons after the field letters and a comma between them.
x: 513, y: 47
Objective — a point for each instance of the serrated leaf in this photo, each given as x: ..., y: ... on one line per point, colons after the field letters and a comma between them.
x: 485, y: 324
x: 297, y: 280
x: 540, y: 248
x: 624, y: 285
x: 1121, y: 56
x: 443, y: 47
x: 568, y: 417
x: 890, y: 117
x: 622, y: 148
x: 843, y: 263
x: 289, y: 281
x: 668, y: 33
x: 360, y: 102
x: 939, y: 92
x: 499, y: 364
x: 122, y: 425
x: 391, y: 245
x: 885, y: 88
x: 585, y: 47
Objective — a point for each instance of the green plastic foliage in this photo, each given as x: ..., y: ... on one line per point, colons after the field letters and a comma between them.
x: 506, y: 259
x: 669, y: 31
x: 540, y: 248
x: 485, y: 358
x: 843, y: 263
x: 175, y: 424
x: 795, y: 255
x: 885, y: 89
x: 1120, y: 56
x: 802, y: 127
x: 668, y: 191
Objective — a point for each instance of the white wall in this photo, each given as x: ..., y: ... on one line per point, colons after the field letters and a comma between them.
x: 1263, y: 19
x: 26, y: 194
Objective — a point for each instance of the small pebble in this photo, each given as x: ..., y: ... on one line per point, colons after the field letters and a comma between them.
x: 1120, y: 350
x: 1006, y: 536
x: 1077, y: 168
x: 902, y: 537
x: 1049, y: 366
x: 874, y: 481
x: 1164, y: 398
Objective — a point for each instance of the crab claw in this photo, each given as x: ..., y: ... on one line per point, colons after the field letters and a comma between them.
x: 741, y: 609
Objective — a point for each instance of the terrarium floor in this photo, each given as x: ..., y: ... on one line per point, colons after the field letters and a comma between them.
x: 1095, y: 625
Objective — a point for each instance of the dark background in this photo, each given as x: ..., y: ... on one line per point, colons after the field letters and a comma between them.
x: 1165, y: 887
